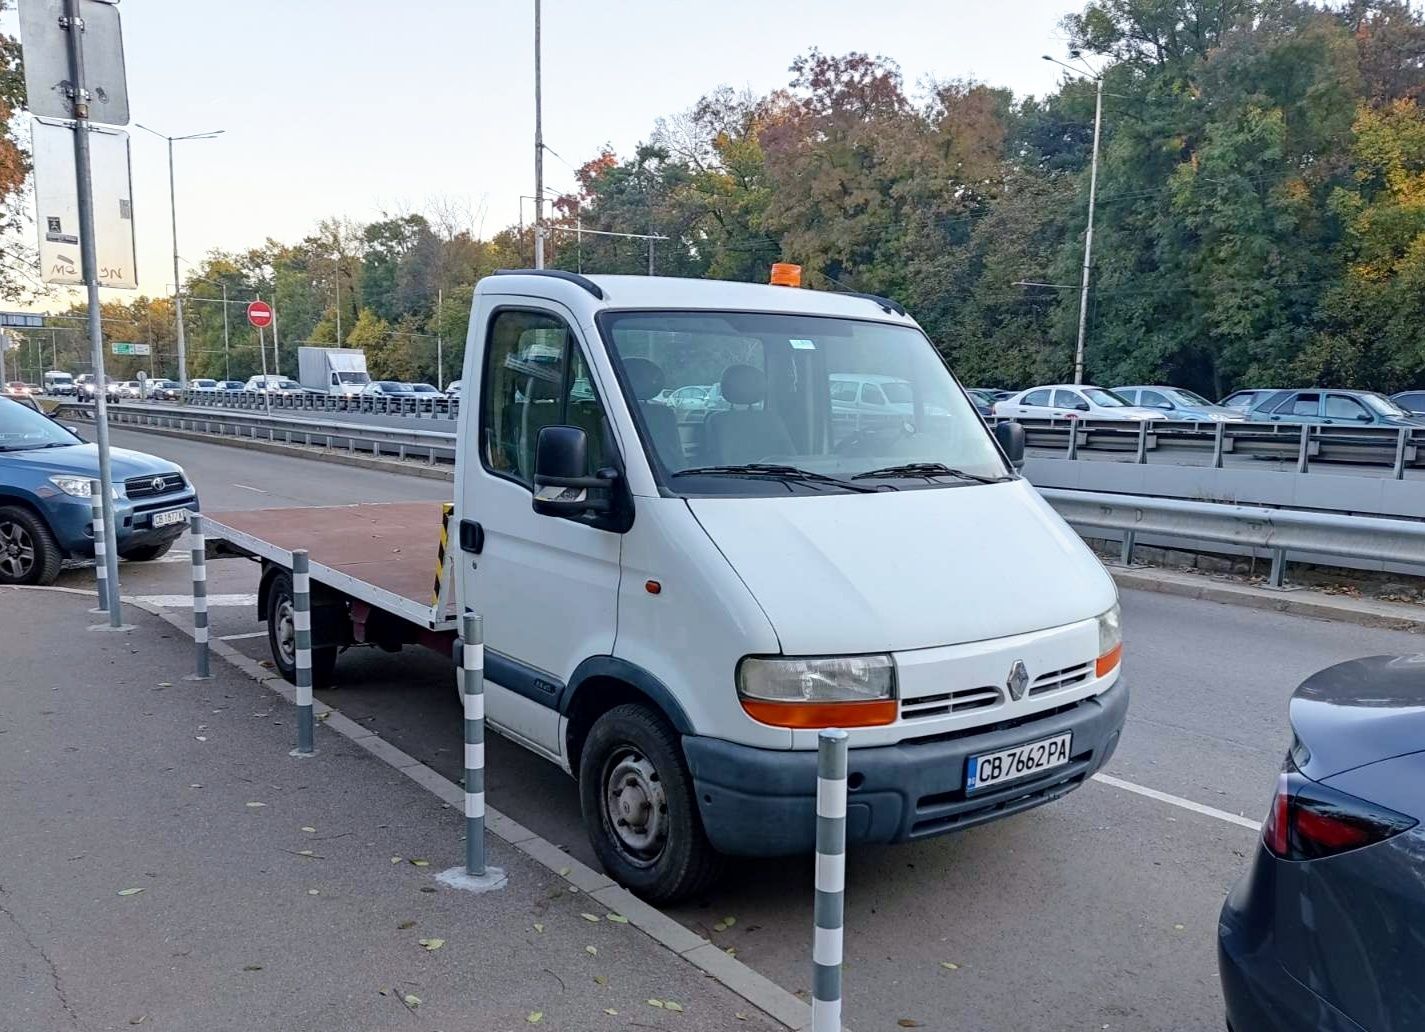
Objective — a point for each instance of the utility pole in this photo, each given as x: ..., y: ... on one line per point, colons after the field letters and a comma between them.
x: 4, y: 344
x: 1088, y: 235
x: 538, y: 151
x: 227, y: 353
x: 89, y: 265
x: 439, y: 341
x: 276, y: 351
x: 338, y: 298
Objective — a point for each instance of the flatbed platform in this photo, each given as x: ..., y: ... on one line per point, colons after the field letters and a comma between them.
x: 384, y: 553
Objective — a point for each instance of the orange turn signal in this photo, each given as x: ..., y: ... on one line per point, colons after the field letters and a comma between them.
x: 1108, y: 660
x: 785, y: 274
x: 822, y: 714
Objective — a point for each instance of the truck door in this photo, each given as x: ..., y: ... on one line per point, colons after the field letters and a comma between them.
x: 547, y: 586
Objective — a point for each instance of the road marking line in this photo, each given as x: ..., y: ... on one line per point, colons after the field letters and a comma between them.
x: 246, y: 488
x: 1186, y: 804
x: 186, y: 601
x: 243, y: 637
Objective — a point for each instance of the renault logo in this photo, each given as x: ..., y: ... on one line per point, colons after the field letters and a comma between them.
x: 1017, y: 681
x: 157, y: 484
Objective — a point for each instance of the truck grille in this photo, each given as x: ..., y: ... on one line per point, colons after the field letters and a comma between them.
x: 1057, y: 680
x: 960, y: 701
x: 152, y: 486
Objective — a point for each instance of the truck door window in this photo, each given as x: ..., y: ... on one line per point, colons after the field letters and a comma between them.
x: 530, y: 382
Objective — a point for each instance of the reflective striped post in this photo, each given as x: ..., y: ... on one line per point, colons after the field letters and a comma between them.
x: 302, y: 632
x: 200, y: 597
x: 101, y: 572
x: 830, y: 880
x: 472, y: 692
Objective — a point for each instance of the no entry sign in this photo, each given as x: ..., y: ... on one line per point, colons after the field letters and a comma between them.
x: 259, y: 313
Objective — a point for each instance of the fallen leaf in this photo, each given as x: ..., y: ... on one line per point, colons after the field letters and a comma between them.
x: 592, y: 918
x: 252, y: 967
x: 601, y: 979
x: 535, y: 1017
x: 618, y: 919
x: 729, y: 921
x: 564, y: 872
x: 412, y: 1000
x: 314, y: 892
x: 404, y: 925
x: 719, y: 927
x: 591, y: 951
x: 948, y: 966
x: 165, y: 684
x: 195, y: 786
x: 308, y: 830
x: 138, y: 1020
x: 909, y: 1023
x: 1178, y: 927
x: 201, y: 738
x: 432, y: 945
x: 656, y: 1003
x: 673, y: 1005
x: 305, y: 852
x: 427, y: 888
x: 538, y: 927
x: 610, y: 1010
x: 254, y: 806
x: 395, y: 859
x: 130, y: 892
x: 740, y: 1016
x: 731, y: 951
x: 420, y: 863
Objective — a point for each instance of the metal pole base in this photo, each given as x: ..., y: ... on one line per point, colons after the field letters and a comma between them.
x: 298, y: 754
x: 197, y: 677
x: 111, y: 627
x: 492, y: 880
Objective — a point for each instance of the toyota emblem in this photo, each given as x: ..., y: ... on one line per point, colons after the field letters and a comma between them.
x: 157, y: 484
x: 1017, y: 681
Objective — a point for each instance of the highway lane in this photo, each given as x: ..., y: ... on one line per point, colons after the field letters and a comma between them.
x: 1095, y: 912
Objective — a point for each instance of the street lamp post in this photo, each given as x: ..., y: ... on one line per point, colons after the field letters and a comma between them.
x: 173, y: 213
x: 1088, y: 233
x: 538, y: 150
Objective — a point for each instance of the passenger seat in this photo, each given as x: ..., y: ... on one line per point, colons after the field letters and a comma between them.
x: 745, y: 434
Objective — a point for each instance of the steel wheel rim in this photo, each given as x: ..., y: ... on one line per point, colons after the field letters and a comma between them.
x: 635, y: 806
x: 17, y: 550
x: 286, y: 632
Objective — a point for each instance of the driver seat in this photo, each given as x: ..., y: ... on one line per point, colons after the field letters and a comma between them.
x: 742, y: 433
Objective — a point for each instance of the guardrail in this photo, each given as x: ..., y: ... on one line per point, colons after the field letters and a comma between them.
x: 405, y: 443
x: 1336, y: 535
x: 1398, y: 447
x: 308, y: 401
x: 1329, y: 534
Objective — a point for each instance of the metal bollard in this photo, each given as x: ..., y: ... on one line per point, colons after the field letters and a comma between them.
x: 101, y: 572
x: 830, y: 906
x: 1125, y: 554
x: 200, y: 598
x: 1219, y: 436
x: 1304, y: 450
x: 302, y: 631
x: 1277, y: 577
x: 1142, y: 455
x: 1402, y: 438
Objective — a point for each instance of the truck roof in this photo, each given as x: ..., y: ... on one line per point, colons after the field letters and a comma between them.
x: 671, y: 292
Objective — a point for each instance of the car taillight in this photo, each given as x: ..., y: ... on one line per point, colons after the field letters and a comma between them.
x: 1311, y: 821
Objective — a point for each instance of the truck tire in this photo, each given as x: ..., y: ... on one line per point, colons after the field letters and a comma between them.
x: 282, y: 636
x: 640, y: 807
x: 28, y: 551
x: 146, y: 553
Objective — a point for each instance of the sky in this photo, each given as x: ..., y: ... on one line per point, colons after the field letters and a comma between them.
x: 353, y: 108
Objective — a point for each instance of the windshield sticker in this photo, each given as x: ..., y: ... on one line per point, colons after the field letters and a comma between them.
x: 802, y: 344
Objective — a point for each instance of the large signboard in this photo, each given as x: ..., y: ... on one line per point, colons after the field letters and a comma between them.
x: 46, y: 53
x: 57, y: 205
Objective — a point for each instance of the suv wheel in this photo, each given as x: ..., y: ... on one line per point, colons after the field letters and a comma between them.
x: 28, y: 552
x: 639, y: 807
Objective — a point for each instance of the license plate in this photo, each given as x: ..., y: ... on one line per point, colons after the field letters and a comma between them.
x: 169, y: 518
x: 995, y: 768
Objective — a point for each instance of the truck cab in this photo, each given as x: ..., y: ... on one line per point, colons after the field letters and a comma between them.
x: 673, y: 608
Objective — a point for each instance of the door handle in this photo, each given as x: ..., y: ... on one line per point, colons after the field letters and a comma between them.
x: 472, y: 537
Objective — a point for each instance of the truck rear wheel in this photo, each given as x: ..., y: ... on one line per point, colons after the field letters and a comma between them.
x: 282, y: 636
x: 640, y: 809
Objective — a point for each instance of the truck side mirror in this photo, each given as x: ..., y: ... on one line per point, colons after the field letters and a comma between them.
x: 1010, y: 436
x: 561, y: 487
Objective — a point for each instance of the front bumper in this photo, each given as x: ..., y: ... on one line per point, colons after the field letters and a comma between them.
x: 762, y: 802
x: 71, y: 520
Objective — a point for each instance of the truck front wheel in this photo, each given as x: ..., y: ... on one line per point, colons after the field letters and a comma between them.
x: 639, y: 807
x: 282, y: 636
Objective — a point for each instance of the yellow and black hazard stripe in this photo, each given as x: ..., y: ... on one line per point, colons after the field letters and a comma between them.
x: 445, y: 513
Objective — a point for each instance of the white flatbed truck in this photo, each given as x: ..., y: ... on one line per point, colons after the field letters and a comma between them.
x: 676, y: 601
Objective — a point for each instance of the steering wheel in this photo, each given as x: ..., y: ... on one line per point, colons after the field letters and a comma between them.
x: 857, y: 439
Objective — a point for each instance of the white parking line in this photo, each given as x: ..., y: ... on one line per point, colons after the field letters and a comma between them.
x: 1186, y: 804
x: 186, y: 601
x: 246, y: 488
x: 243, y: 637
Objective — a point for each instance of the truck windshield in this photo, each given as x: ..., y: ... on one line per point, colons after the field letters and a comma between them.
x: 22, y: 428
x: 356, y: 378
x: 767, y: 404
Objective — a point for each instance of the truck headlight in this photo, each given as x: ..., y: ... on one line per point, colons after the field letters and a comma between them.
x: 831, y: 691
x: 1110, y: 641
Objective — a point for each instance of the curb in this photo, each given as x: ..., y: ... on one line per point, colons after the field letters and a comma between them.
x: 761, y: 992
x: 298, y: 451
x: 1394, y: 616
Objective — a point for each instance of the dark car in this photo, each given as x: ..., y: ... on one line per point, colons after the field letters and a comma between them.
x: 1411, y: 401
x: 45, y: 514
x: 984, y: 400
x: 1324, y: 407
x: 1324, y: 931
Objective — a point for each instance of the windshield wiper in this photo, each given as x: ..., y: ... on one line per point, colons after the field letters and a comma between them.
x: 928, y: 470
x: 772, y: 471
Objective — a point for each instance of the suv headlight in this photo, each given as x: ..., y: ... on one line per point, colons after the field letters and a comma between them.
x: 831, y: 691
x: 1110, y: 641
x: 76, y: 487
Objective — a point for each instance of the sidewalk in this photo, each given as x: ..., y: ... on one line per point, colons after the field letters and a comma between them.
x: 277, y: 894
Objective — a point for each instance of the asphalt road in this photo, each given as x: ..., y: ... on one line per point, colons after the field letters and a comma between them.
x: 1096, y: 912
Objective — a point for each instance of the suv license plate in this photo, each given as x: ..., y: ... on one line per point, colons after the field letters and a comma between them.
x: 169, y: 518
x: 989, y: 769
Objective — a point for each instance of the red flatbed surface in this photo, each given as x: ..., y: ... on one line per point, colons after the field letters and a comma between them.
x: 392, y: 545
